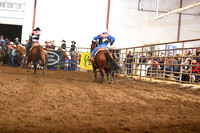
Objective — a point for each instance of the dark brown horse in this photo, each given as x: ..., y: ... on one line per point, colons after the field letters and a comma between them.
x: 3, y: 54
x: 37, y: 55
x: 65, y: 57
x: 104, y: 61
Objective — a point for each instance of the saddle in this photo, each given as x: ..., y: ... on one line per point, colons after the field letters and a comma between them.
x: 34, y: 45
x: 99, y: 49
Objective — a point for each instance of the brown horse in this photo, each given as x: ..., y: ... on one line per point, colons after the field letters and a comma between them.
x: 21, y: 53
x: 3, y: 54
x: 104, y: 61
x: 37, y: 55
x: 65, y: 54
x: 77, y: 56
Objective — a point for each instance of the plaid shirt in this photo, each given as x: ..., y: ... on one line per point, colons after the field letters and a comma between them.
x: 196, y: 69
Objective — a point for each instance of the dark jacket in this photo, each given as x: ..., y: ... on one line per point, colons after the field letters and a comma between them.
x: 72, y: 47
x: 63, y: 46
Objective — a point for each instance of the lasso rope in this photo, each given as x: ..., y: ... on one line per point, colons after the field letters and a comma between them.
x: 127, y: 78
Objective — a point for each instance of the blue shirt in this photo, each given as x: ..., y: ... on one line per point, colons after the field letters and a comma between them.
x: 105, y: 36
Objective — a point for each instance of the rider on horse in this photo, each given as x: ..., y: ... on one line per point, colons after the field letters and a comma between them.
x: 104, y: 39
x: 35, y: 39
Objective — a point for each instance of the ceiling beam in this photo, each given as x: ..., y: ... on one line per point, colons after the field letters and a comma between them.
x: 178, y: 10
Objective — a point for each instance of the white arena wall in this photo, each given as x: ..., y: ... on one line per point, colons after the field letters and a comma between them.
x: 81, y: 20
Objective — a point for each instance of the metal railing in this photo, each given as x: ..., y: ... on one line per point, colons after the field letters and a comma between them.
x: 140, y: 65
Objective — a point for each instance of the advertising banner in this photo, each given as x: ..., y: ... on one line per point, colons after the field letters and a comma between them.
x: 85, y: 61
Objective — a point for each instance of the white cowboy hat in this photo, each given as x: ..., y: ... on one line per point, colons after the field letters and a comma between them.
x: 11, y: 43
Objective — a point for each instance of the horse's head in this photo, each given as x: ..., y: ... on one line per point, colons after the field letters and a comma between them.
x: 93, y: 45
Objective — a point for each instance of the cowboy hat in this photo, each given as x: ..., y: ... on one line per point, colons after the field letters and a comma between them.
x: 37, y: 29
x: 63, y: 41
x: 11, y: 43
x: 16, y: 38
x: 73, y: 42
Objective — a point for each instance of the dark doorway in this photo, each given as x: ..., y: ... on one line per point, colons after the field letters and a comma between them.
x: 11, y: 31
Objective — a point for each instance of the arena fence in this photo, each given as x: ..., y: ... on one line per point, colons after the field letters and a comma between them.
x: 151, y: 61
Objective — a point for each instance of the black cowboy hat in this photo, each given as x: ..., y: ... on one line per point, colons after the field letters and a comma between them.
x: 73, y: 42
x: 63, y: 41
x: 37, y: 29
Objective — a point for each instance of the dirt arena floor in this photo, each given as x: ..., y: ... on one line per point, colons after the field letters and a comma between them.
x: 63, y: 101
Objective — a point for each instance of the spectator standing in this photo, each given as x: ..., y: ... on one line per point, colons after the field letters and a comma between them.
x: 17, y: 41
x: 63, y: 45
x: 7, y: 41
x: 13, y: 55
x: 2, y: 43
x: 72, y: 49
x: 148, y: 60
x: 129, y: 61
x: 9, y: 53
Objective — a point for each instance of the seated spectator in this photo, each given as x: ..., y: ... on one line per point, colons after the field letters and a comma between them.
x: 198, y: 58
x: 63, y: 45
x: 154, y: 65
x: 189, y: 53
x: 195, y: 69
x: 52, y: 44
x: 47, y: 45
x: 177, y: 58
x: 161, y: 62
x: 169, y: 54
x: 186, y: 70
x: 171, y: 66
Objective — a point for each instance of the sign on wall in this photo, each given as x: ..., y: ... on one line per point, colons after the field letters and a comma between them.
x: 85, y: 61
x: 54, y: 57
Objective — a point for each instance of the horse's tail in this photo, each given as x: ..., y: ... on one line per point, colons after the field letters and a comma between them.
x: 38, y: 56
x: 111, y: 63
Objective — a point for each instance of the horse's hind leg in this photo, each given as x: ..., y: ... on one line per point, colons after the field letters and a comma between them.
x: 27, y: 65
x: 95, y: 72
x: 35, y: 68
x: 43, y: 68
x: 101, y: 75
x: 111, y: 76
